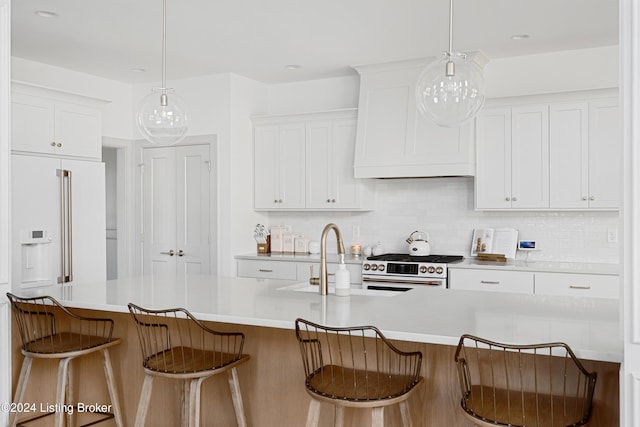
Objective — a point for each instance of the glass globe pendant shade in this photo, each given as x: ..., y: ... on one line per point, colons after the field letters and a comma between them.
x: 451, y: 90
x: 162, y: 117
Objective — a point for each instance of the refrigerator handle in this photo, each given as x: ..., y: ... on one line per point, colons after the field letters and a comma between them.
x: 66, y: 258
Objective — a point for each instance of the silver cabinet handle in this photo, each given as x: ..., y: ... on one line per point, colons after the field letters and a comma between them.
x: 490, y: 282
x: 180, y: 252
x: 265, y: 270
x: 507, y: 199
x: 579, y: 287
x: 584, y: 198
x: 59, y: 144
x: 515, y: 199
x: 53, y: 143
x: 592, y: 198
x: 66, y: 221
x: 170, y: 253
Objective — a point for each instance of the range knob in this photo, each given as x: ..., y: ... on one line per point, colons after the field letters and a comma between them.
x: 439, y: 270
x: 381, y: 267
x: 374, y: 267
x: 423, y: 269
x: 366, y: 267
x: 431, y: 269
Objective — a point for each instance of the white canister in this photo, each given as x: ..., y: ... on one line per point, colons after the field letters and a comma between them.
x: 314, y: 247
x: 343, y: 281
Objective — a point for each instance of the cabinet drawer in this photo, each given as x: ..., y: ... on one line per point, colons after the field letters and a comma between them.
x: 578, y: 285
x: 267, y: 269
x: 491, y: 280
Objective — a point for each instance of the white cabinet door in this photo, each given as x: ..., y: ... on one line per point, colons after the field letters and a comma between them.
x: 512, y: 158
x: 605, y: 152
x: 348, y: 192
x: 568, y: 155
x: 176, y: 210
x: 320, y: 189
x: 530, y: 157
x: 491, y: 280
x: 41, y: 124
x: 493, y: 149
x: 279, y: 162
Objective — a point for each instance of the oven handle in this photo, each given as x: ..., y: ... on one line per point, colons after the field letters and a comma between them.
x: 404, y: 281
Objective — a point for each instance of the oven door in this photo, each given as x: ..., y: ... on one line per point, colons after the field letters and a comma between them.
x: 399, y: 283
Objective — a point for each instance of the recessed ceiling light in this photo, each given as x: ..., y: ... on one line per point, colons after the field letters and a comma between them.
x: 292, y: 67
x: 138, y: 70
x: 519, y: 36
x: 46, y: 14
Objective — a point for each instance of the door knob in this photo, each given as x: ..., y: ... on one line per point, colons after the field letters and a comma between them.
x: 170, y: 253
x: 180, y: 252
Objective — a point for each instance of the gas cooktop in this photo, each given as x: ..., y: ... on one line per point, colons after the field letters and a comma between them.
x: 445, y: 259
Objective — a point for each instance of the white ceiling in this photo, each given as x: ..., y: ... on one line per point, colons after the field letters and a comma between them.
x: 257, y: 38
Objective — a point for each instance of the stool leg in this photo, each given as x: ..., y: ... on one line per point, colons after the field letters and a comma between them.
x: 377, y: 417
x: 236, y: 395
x: 184, y: 410
x: 61, y: 386
x: 338, y: 420
x: 406, y: 414
x: 25, y: 371
x: 145, y: 396
x: 69, y: 398
x: 194, y: 401
x: 313, y: 416
x: 111, y: 385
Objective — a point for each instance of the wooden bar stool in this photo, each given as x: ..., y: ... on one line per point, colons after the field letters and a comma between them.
x: 50, y: 331
x: 356, y: 367
x: 537, y: 385
x: 177, y: 345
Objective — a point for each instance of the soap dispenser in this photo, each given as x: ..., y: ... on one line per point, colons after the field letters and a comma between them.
x: 343, y: 281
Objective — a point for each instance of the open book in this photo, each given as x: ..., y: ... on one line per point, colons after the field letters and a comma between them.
x: 495, y: 241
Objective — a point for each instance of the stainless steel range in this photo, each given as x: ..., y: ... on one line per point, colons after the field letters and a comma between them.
x: 401, y: 272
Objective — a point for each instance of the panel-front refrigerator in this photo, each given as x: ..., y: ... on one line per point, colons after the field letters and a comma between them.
x: 58, y: 221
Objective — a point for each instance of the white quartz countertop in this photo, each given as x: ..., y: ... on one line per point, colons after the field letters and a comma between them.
x: 438, y: 316
x: 335, y: 258
x: 541, y: 266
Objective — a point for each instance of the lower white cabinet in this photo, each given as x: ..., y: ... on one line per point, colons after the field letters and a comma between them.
x: 531, y: 282
x: 285, y: 270
x: 520, y: 282
x: 579, y: 285
x: 293, y: 270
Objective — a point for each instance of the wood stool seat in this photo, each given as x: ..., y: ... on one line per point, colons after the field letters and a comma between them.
x: 176, y: 345
x: 48, y: 330
x: 356, y: 367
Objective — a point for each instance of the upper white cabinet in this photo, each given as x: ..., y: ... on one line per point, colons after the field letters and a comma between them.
x: 50, y: 122
x: 394, y: 140
x: 585, y: 155
x: 305, y: 161
x: 553, y: 155
x: 513, y: 158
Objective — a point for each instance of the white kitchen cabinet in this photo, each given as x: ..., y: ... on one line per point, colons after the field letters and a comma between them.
x: 394, y: 140
x: 585, y: 152
x: 51, y: 122
x: 555, y: 152
x: 305, y: 161
x: 491, y: 280
x: 578, y: 285
x: 285, y: 270
x: 512, y: 158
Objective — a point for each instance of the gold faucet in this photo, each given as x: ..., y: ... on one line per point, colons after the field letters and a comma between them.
x: 323, y: 280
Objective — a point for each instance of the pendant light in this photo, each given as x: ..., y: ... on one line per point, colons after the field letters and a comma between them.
x: 162, y: 117
x: 451, y: 90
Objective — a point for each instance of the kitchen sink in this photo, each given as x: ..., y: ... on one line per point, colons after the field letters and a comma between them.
x: 306, y: 287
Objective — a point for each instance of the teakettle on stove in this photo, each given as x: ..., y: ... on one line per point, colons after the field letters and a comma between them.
x: 419, y: 243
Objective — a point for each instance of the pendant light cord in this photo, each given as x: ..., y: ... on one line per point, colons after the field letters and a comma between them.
x: 450, y: 27
x: 164, y: 43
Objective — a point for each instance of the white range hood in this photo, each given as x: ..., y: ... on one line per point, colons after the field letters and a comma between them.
x: 394, y: 140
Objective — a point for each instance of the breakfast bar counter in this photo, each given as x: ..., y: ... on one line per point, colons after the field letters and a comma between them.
x: 426, y: 319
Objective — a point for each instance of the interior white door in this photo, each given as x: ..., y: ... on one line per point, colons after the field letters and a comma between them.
x: 176, y: 210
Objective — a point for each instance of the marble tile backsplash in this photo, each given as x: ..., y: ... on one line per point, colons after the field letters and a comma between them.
x: 444, y: 208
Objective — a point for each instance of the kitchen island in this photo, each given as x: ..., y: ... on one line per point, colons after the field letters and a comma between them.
x: 426, y: 319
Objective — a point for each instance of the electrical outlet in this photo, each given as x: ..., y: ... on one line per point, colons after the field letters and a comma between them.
x: 355, y: 231
x: 612, y: 235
